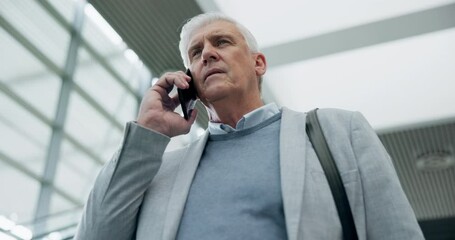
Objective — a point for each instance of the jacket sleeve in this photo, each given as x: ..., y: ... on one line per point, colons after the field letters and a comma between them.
x: 388, y: 212
x: 114, y: 202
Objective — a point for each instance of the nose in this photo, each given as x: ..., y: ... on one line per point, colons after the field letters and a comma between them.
x: 209, y: 54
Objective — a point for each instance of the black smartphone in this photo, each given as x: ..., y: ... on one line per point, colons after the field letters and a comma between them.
x: 188, y: 97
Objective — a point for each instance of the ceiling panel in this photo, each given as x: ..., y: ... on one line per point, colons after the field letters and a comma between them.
x: 424, y: 159
x: 290, y: 20
x: 46, y: 34
x: 393, y: 84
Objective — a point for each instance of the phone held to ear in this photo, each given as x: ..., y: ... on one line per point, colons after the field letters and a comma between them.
x: 188, y: 97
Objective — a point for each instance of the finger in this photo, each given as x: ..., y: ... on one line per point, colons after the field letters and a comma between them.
x: 188, y: 78
x: 168, y: 80
x: 182, y: 79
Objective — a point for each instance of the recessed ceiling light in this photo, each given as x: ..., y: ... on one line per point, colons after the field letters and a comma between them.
x: 433, y: 161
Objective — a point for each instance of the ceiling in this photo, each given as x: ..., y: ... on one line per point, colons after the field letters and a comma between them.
x: 150, y: 28
x: 390, y: 60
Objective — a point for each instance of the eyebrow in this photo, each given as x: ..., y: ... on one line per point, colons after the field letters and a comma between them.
x: 215, y: 35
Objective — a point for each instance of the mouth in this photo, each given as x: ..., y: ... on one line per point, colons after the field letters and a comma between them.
x: 212, y: 72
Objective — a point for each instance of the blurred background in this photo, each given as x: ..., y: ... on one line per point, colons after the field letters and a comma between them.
x: 73, y: 72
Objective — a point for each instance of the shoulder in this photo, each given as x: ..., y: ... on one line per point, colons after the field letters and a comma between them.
x: 334, y: 115
x: 340, y: 118
x: 334, y: 121
x: 328, y: 115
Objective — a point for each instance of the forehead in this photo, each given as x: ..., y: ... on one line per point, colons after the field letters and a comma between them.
x: 216, y: 28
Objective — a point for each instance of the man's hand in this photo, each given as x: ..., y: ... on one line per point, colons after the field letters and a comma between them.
x: 157, y: 107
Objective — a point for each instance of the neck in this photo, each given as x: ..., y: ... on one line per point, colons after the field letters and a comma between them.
x: 231, y: 112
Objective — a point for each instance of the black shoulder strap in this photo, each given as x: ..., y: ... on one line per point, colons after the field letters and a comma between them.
x: 314, y: 131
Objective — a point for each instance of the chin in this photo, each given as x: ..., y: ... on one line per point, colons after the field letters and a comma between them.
x: 216, y: 90
x: 214, y: 96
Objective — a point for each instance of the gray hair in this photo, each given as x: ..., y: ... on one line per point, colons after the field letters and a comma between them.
x: 204, y: 19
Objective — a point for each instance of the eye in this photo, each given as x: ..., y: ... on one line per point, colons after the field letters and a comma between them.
x: 222, y: 41
x: 195, y: 53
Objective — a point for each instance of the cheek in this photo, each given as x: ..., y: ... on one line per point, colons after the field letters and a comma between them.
x: 198, y: 86
x: 197, y: 78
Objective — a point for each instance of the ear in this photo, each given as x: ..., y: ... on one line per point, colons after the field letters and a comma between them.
x: 260, y: 64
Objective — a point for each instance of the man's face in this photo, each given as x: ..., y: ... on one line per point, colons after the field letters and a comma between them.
x: 222, y: 64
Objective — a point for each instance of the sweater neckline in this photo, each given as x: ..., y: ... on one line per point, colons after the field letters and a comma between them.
x: 247, y: 131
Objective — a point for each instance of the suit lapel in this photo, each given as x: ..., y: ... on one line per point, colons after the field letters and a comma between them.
x: 292, y: 168
x: 181, y: 187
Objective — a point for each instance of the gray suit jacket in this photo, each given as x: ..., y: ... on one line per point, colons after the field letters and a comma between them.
x: 141, y: 192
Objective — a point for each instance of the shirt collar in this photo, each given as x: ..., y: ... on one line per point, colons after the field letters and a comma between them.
x: 248, y: 120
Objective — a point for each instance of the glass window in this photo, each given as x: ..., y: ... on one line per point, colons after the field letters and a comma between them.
x: 24, y: 138
x: 19, y: 194
x: 32, y: 21
x: 131, y: 69
x: 16, y: 61
x: 76, y: 171
x: 22, y: 73
x: 100, y: 35
x: 91, y: 129
x: 101, y: 85
x: 29, y: 94
x: 66, y: 8
x: 60, y: 205
x: 63, y: 213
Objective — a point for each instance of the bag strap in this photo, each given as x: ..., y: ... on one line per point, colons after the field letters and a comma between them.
x: 314, y: 131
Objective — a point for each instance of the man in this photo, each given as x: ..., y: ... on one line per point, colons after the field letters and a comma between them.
x: 253, y: 174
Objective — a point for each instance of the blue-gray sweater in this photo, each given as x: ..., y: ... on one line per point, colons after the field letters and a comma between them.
x: 236, y: 191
